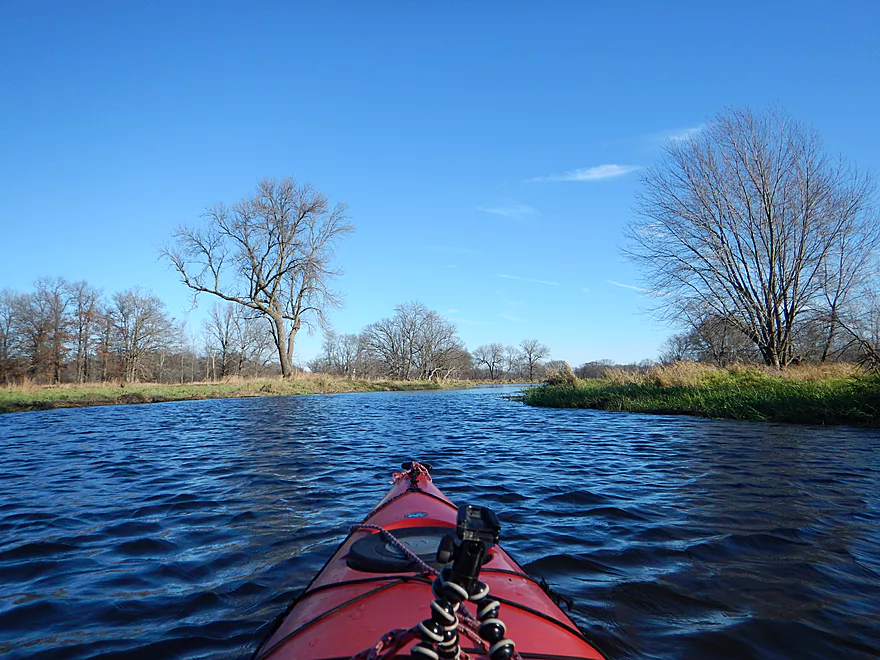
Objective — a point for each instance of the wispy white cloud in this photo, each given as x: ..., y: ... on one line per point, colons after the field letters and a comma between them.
x: 683, y: 134
x: 527, y: 279
x: 585, y: 289
x: 452, y: 310
x: 597, y: 173
x: 515, y: 319
x: 658, y: 138
x: 628, y: 286
x: 513, y: 210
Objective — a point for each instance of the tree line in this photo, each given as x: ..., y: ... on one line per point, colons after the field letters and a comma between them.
x: 71, y: 332
x: 417, y: 343
x: 63, y: 331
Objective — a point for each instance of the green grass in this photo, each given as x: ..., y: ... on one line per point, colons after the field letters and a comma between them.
x: 36, y: 397
x: 744, y: 394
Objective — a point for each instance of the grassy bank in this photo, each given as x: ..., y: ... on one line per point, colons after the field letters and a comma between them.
x: 42, y: 397
x: 836, y: 394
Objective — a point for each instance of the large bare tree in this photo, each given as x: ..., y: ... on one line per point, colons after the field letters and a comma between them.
x: 750, y: 221
x: 271, y: 252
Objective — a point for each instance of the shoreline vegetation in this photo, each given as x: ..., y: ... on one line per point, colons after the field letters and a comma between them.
x: 829, y: 394
x: 27, y: 397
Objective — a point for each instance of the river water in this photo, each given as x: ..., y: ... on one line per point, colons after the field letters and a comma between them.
x: 180, y: 530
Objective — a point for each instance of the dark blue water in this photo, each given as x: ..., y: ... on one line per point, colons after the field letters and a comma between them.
x: 180, y: 530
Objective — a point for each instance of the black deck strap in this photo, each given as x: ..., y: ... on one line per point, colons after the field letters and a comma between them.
x: 394, y: 582
x: 377, y: 578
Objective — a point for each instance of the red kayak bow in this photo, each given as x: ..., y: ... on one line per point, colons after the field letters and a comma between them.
x: 377, y: 596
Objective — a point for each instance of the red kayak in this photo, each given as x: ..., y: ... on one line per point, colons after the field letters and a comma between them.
x: 379, y: 595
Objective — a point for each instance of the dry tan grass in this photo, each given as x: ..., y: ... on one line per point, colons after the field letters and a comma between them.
x: 691, y: 374
x: 814, y: 372
x: 619, y: 376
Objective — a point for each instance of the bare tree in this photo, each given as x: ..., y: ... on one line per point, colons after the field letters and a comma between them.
x: 141, y: 325
x: 593, y: 369
x: 41, y: 326
x: 9, y: 349
x: 415, y: 343
x: 220, y: 337
x: 271, y: 253
x: 254, y: 341
x: 747, y: 220
x: 343, y: 355
x: 85, y: 303
x: 533, y: 352
x: 676, y: 348
x: 513, y: 362
x: 490, y: 356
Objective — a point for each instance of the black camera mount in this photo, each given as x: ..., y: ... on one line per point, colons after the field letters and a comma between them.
x: 477, y: 530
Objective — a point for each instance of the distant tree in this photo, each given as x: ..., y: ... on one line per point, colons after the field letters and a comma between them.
x: 593, y: 369
x: 533, y: 352
x: 271, y: 253
x: 9, y: 354
x: 416, y: 342
x: 748, y: 220
x: 254, y: 342
x: 490, y: 356
x: 220, y: 338
x: 458, y: 363
x: 41, y: 328
x: 676, y: 348
x: 341, y: 355
x: 721, y: 341
x: 140, y: 325
x: 85, y: 303
x: 54, y: 298
x: 513, y: 362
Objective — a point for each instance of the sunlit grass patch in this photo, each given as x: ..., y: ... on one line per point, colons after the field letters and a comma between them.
x: 30, y: 396
x: 797, y: 395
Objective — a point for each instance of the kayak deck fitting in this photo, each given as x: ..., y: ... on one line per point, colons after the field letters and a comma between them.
x: 377, y: 596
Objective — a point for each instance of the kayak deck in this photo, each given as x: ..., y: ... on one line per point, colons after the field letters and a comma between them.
x: 346, y: 610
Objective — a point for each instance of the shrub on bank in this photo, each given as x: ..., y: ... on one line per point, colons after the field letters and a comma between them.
x: 563, y: 376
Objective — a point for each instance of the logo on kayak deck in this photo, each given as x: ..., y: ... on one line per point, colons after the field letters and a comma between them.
x: 415, y: 514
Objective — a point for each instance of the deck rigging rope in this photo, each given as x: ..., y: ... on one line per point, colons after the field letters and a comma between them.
x: 394, y: 640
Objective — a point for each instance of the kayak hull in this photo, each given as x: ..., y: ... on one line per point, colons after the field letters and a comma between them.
x: 346, y: 610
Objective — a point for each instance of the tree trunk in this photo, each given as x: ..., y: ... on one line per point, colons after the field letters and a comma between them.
x: 280, y: 337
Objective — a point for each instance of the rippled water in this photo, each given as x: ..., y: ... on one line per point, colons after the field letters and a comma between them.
x: 182, y: 529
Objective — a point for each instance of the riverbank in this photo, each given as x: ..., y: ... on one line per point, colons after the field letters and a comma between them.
x: 832, y: 394
x: 43, y: 397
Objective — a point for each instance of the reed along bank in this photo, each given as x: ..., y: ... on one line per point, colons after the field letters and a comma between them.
x: 821, y: 394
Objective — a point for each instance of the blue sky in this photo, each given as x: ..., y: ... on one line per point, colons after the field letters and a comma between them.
x: 489, y: 152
